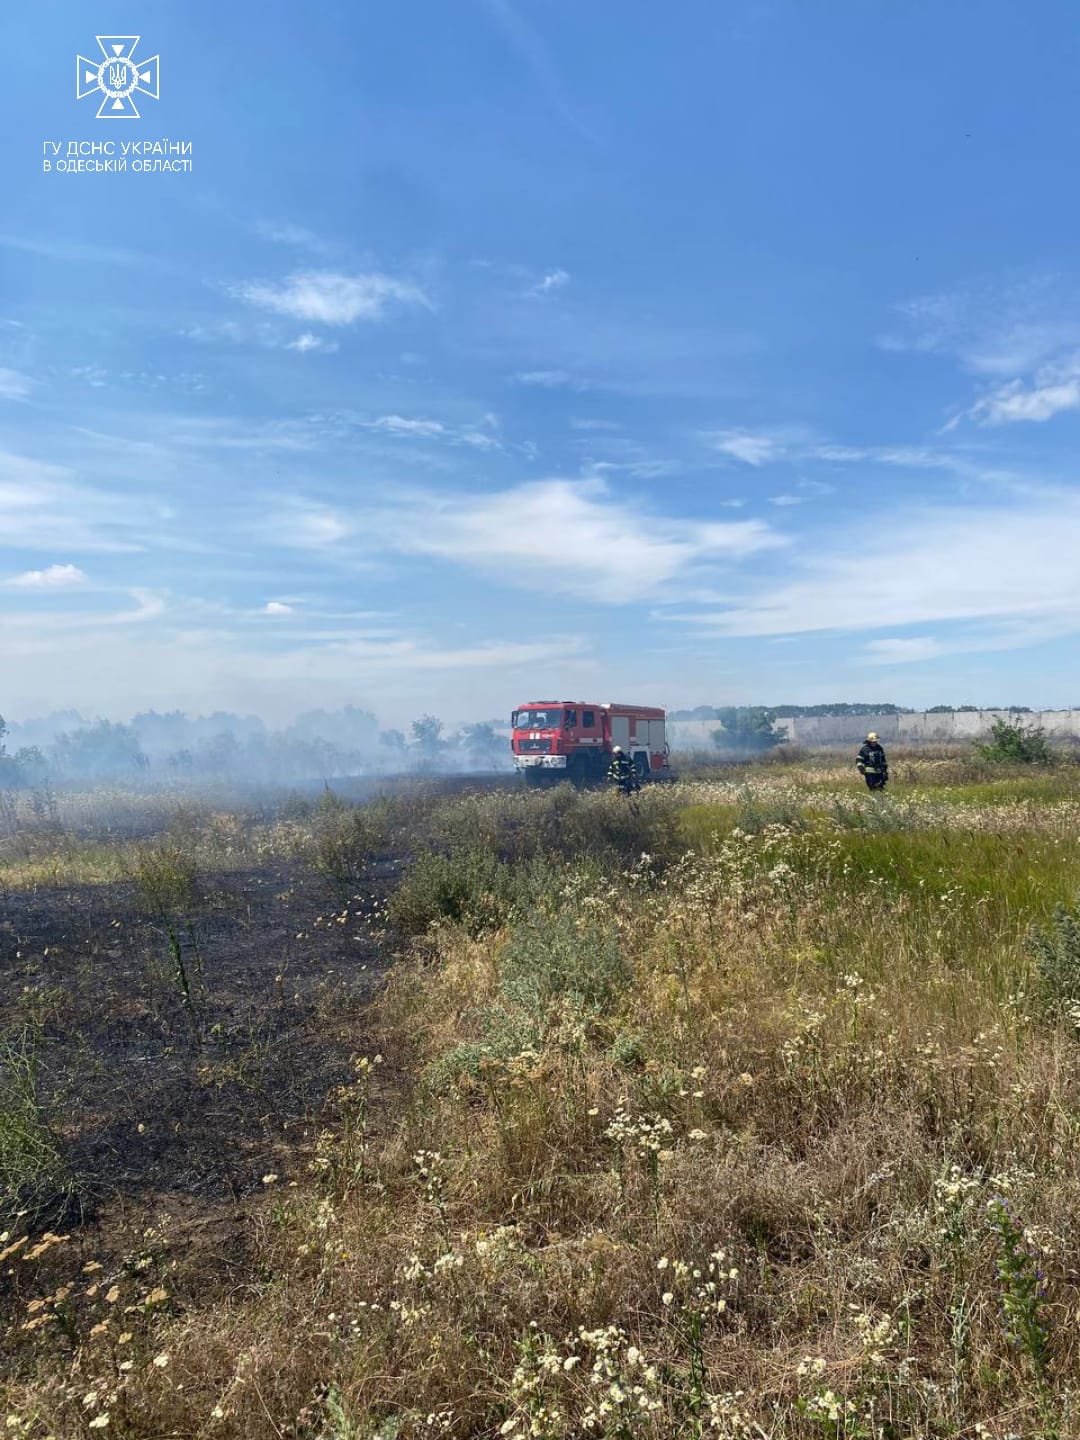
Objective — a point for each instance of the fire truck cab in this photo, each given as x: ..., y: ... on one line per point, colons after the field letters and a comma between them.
x: 572, y: 740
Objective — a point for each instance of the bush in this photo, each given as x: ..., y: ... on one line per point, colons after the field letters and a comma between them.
x: 504, y: 1034
x: 32, y: 1171
x: 345, y: 840
x: 559, y: 957
x: 1056, y: 950
x: 471, y: 886
x: 166, y: 880
x: 1015, y: 745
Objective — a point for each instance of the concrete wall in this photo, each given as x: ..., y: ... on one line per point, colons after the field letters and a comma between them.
x: 914, y: 729
x: 922, y: 728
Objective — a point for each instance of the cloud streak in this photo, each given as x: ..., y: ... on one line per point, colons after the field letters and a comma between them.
x: 330, y: 297
x: 1055, y: 389
x: 751, y: 448
x: 13, y: 385
x: 569, y: 537
x: 1006, y: 565
x: 53, y: 577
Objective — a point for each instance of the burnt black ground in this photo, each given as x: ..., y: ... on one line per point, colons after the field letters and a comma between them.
x: 151, y: 1096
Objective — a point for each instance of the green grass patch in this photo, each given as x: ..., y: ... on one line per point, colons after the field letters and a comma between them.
x: 1046, y: 789
x: 1020, y: 877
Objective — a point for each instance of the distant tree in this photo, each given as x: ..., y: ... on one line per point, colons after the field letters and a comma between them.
x: 30, y: 765
x: 1015, y: 745
x: 427, y: 739
x: 220, y: 754
x: 392, y: 740
x: 349, y: 728
x: 841, y: 708
x: 26, y: 767
x: 746, y: 728
x: 99, y: 751
x: 8, y: 773
x: 482, y: 743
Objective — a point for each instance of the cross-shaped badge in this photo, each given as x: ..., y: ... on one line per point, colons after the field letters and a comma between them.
x: 119, y: 77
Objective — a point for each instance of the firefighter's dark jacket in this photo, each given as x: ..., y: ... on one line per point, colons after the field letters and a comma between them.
x: 871, y: 759
x: 621, y: 768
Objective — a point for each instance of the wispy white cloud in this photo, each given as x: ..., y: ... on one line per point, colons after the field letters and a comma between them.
x: 306, y: 524
x: 550, y: 379
x: 277, y: 607
x: 752, y: 448
x: 910, y: 457
x: 307, y: 342
x: 1055, y: 388
x: 53, y: 577
x: 14, y: 386
x: 575, y: 537
x: 418, y: 428
x: 330, y: 297
x: 553, y: 280
x: 902, y: 650
x: 298, y: 236
x: 992, y: 329
x: 47, y: 507
x: 404, y: 425
x: 1002, y: 564
x: 75, y: 252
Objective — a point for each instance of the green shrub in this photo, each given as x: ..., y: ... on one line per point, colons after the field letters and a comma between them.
x: 1015, y: 745
x: 166, y: 880
x: 1056, y: 949
x: 504, y: 1033
x: 32, y: 1172
x: 629, y: 1049
x: 345, y: 840
x: 560, y: 956
x: 473, y: 887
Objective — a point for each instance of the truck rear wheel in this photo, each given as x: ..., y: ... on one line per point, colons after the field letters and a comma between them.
x: 641, y: 764
x: 577, y: 772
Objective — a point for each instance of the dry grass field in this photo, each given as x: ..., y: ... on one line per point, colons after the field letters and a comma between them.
x: 750, y: 1109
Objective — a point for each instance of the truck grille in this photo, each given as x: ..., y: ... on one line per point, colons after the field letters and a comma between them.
x: 534, y: 747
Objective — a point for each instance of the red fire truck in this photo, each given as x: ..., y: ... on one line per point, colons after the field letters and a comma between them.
x: 573, y: 739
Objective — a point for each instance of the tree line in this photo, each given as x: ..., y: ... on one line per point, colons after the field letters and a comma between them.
x: 317, y: 745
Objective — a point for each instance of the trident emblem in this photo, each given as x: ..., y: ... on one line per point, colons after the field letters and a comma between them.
x: 119, y: 76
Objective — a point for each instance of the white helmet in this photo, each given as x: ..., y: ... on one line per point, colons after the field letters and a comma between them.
x: 616, y: 749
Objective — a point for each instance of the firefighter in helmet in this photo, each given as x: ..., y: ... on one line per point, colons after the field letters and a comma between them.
x: 621, y: 771
x: 872, y: 764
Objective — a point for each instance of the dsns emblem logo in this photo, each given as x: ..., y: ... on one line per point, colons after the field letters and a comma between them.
x: 119, y: 76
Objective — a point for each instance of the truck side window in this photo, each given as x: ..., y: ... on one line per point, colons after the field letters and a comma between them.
x: 571, y: 719
x: 588, y: 718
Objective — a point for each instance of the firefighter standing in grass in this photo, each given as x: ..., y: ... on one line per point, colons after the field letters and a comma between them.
x: 872, y: 764
x: 621, y: 771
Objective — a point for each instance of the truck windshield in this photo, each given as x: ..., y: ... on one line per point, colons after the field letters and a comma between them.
x: 538, y: 719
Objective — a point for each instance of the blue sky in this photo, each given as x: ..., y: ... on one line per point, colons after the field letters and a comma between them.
x: 495, y: 349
